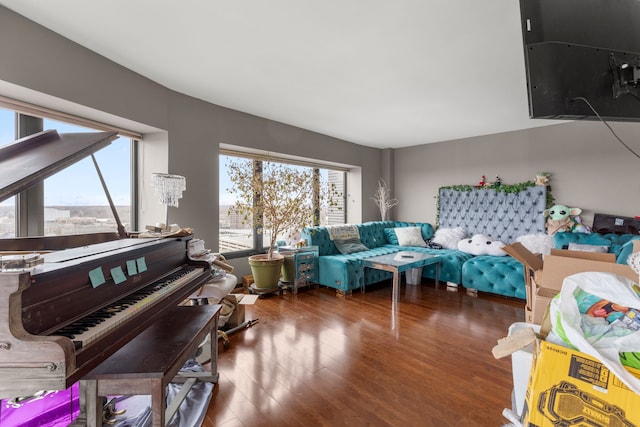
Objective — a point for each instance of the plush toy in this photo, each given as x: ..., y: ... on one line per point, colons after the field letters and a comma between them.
x: 579, y: 227
x: 542, y: 178
x: 480, y: 244
x: 561, y: 219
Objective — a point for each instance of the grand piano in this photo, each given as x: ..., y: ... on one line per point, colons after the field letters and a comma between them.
x: 93, y: 294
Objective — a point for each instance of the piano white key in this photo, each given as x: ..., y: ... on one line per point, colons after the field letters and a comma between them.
x: 102, y: 328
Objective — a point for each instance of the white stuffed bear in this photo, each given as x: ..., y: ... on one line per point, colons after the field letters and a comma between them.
x: 480, y: 244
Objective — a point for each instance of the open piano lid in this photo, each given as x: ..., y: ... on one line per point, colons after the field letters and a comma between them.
x: 28, y: 161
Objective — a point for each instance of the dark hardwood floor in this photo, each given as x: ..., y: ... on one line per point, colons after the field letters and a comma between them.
x: 318, y: 360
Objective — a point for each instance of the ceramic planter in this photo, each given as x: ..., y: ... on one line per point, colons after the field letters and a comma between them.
x: 265, y: 271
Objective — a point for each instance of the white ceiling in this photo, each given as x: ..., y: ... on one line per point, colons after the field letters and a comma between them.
x: 384, y: 74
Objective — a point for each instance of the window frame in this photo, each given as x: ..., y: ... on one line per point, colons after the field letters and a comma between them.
x: 29, y: 204
x: 257, y: 237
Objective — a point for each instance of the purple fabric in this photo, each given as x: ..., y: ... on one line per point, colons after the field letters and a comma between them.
x: 45, y: 409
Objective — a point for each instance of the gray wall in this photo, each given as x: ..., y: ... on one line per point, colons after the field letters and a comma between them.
x: 590, y: 169
x: 43, y: 63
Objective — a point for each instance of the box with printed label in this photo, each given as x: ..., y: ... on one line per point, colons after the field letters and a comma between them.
x: 569, y: 388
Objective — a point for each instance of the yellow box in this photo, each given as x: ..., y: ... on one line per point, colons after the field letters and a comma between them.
x: 569, y: 388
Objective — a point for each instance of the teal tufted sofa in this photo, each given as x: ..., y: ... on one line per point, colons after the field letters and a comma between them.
x: 619, y: 244
x: 504, y: 275
x: 346, y: 272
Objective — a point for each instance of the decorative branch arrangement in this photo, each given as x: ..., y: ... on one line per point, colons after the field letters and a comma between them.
x: 383, y: 199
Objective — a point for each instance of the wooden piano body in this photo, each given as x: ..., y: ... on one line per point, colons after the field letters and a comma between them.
x: 58, y: 293
x: 135, y: 279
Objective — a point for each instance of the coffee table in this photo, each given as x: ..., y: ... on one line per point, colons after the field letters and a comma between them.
x: 399, y: 262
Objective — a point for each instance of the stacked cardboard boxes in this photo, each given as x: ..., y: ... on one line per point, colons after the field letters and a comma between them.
x: 566, y: 387
x: 543, y: 278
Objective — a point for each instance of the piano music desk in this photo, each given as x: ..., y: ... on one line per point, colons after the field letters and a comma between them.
x: 149, y: 362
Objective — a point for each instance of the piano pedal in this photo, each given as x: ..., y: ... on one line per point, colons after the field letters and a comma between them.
x: 120, y: 412
x: 109, y: 411
x: 109, y: 421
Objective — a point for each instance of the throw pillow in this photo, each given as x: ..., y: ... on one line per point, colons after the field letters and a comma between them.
x: 449, y: 237
x: 410, y: 236
x: 588, y: 248
x: 349, y: 246
x: 480, y: 244
x: 540, y: 243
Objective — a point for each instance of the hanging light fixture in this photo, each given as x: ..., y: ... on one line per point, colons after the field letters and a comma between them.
x: 169, y: 188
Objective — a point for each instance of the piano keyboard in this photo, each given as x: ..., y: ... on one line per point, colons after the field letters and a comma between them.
x: 90, y: 328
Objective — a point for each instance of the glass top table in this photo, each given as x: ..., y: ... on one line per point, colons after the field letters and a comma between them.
x: 399, y: 262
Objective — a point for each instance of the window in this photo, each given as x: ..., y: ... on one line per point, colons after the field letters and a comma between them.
x: 7, y: 207
x: 237, y: 233
x: 73, y: 200
x: 86, y: 209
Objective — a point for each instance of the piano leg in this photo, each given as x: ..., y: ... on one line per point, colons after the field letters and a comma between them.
x: 90, y: 411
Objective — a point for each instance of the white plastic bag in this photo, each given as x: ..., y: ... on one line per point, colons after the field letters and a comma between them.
x: 566, y: 320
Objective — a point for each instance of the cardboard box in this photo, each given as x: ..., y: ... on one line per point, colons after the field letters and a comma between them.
x: 544, y: 276
x: 567, y: 387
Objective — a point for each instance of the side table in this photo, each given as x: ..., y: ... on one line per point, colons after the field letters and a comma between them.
x: 304, y: 262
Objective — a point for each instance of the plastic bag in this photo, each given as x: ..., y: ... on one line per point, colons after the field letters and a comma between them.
x: 611, y: 327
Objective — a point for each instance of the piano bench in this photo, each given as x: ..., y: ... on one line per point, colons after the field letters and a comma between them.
x: 149, y: 362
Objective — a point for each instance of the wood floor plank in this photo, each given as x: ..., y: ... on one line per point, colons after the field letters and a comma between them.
x: 317, y: 360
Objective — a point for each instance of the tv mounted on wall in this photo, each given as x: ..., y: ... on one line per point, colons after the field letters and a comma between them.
x: 581, y: 56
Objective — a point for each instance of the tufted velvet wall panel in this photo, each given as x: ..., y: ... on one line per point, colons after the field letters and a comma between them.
x: 497, y: 214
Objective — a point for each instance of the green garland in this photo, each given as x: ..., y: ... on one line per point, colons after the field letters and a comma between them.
x: 505, y: 188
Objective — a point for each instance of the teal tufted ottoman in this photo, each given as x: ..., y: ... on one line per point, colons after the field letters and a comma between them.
x: 501, y: 275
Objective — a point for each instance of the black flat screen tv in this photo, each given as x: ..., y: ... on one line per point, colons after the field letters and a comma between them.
x: 581, y: 56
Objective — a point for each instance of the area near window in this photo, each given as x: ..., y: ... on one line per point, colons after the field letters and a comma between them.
x: 237, y: 233
x: 72, y: 201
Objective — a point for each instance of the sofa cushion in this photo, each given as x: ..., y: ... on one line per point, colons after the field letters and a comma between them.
x: 319, y: 236
x: 588, y: 248
x: 618, y: 241
x: 372, y: 233
x: 391, y: 238
x: 562, y: 240
x: 349, y: 246
x: 409, y: 236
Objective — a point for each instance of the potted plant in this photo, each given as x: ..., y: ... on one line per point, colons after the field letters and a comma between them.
x: 277, y: 198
